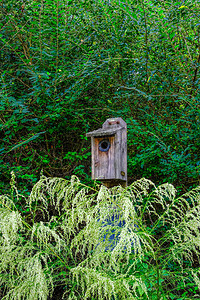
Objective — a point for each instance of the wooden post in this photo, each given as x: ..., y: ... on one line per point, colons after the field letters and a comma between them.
x: 109, y: 153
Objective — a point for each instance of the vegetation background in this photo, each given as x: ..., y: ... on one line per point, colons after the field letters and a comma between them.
x: 67, y: 66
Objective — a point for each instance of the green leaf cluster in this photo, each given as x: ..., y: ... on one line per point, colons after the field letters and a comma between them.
x: 65, y: 67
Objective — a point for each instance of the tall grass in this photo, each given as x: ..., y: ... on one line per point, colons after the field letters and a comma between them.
x: 139, y: 242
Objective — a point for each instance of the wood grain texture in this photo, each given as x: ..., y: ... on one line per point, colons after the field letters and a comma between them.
x: 110, y: 166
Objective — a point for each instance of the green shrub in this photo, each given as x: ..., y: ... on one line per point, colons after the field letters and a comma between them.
x: 67, y: 66
x: 63, y: 242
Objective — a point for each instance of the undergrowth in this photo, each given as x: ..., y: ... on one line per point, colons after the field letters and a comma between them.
x: 139, y: 242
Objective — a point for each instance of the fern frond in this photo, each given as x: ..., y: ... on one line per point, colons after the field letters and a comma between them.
x: 118, y: 243
x: 101, y: 286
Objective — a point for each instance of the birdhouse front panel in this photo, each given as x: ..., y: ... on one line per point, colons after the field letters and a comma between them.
x: 103, y: 159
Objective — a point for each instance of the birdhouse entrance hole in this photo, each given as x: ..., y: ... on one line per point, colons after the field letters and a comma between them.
x: 104, y: 145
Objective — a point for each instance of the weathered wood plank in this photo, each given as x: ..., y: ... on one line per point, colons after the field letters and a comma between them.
x: 109, y: 152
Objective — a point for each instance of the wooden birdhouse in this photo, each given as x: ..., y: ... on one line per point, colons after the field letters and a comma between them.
x: 109, y: 152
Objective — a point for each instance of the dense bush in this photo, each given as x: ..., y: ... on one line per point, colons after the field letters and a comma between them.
x: 78, y: 242
x: 66, y: 66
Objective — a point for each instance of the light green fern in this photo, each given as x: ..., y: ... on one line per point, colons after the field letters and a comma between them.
x: 138, y: 242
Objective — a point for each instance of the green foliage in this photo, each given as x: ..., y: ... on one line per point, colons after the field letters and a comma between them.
x: 66, y: 240
x: 65, y: 67
x: 68, y: 66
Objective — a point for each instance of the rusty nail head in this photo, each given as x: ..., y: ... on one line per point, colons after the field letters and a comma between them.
x: 113, y: 122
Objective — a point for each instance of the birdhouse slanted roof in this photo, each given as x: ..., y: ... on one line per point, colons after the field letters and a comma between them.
x: 103, y: 132
x: 110, y: 127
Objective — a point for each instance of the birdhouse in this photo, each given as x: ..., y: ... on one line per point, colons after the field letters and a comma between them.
x: 109, y: 152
